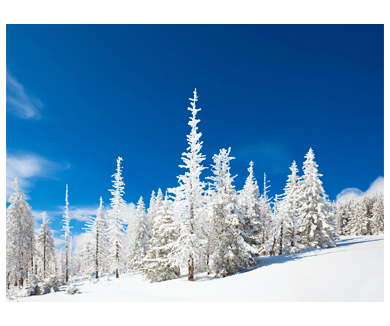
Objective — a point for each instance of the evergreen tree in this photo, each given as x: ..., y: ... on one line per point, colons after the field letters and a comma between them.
x: 315, y: 219
x: 66, y: 228
x: 231, y: 253
x: 156, y: 267
x: 139, y: 235
x: 46, y: 244
x: 249, y: 202
x: 289, y: 206
x: 265, y: 214
x: 188, y: 206
x: 152, y: 209
x: 97, y: 228
x: 378, y: 214
x: 116, y: 227
x: 359, y: 221
x: 19, y: 238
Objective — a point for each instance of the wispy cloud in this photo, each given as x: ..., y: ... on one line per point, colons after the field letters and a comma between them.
x: 20, y: 102
x: 356, y: 194
x: 28, y: 166
x: 58, y: 241
x: 271, y: 157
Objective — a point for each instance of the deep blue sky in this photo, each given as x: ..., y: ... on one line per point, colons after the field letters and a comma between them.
x: 268, y: 91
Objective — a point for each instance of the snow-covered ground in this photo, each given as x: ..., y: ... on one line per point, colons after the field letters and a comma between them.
x: 353, y: 271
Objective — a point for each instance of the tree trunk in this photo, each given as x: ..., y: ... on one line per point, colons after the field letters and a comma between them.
x: 281, y: 239
x: 207, y: 264
x: 44, y: 259
x: 117, y: 260
x: 272, y: 250
x: 191, y: 269
x: 66, y: 261
x: 97, y: 253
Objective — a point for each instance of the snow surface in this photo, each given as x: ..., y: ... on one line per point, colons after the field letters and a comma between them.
x: 352, y: 271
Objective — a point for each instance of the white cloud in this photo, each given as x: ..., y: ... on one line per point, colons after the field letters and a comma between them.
x: 357, y: 194
x: 59, y: 241
x: 79, y: 240
x: 19, y: 102
x: 82, y: 213
x: 26, y: 167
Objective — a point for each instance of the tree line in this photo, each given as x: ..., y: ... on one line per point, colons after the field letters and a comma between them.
x: 201, y: 225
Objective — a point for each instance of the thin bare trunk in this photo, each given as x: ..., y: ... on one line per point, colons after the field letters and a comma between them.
x: 97, y: 253
x: 191, y: 269
x: 281, y: 239
x: 117, y: 260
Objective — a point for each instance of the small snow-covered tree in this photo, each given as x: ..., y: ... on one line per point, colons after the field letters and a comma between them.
x: 359, y: 221
x: 188, y: 205
x: 139, y: 235
x: 152, y: 209
x: 378, y: 214
x: 156, y: 267
x: 265, y: 214
x: 66, y: 228
x: 277, y: 229
x: 289, y: 207
x: 46, y: 244
x: 249, y: 202
x: 316, y: 228
x: 231, y: 252
x: 116, y: 227
x: 19, y: 238
x: 97, y: 228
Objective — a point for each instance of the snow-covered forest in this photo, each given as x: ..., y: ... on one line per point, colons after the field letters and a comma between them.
x: 200, y: 225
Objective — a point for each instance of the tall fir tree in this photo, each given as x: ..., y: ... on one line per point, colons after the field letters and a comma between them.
x: 188, y: 206
x: 139, y: 235
x: 19, y: 238
x: 66, y: 228
x: 231, y: 252
x: 156, y: 267
x: 316, y: 227
x: 265, y: 213
x: 289, y: 206
x: 98, y: 230
x: 249, y: 202
x: 116, y: 227
x: 46, y: 244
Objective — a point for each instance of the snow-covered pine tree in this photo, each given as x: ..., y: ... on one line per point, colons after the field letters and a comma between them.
x: 97, y: 228
x: 116, y: 227
x: 47, y: 247
x: 249, y: 201
x: 230, y: 252
x: 152, y: 209
x: 368, y: 203
x: 156, y: 266
x: 158, y: 201
x: 19, y: 238
x: 277, y: 228
x: 378, y: 214
x: 139, y: 235
x: 359, y: 221
x: 346, y: 211
x: 265, y: 214
x: 66, y: 228
x: 188, y: 206
x: 289, y: 206
x: 315, y: 219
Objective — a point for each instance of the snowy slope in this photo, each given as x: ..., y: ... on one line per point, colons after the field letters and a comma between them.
x: 353, y: 271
